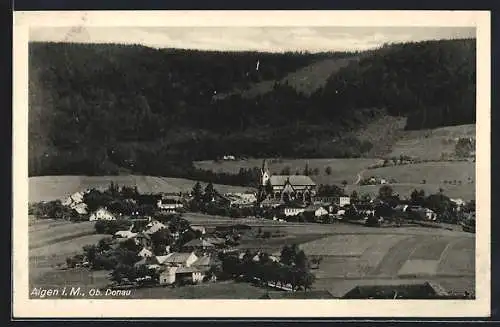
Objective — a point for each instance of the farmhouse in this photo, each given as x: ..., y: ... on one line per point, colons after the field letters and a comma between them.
x: 183, y: 274
x: 170, y: 203
x: 125, y: 234
x: 80, y: 208
x: 240, y: 199
x: 144, y: 253
x: 154, y: 226
x: 102, y: 214
x: 288, y: 187
x: 200, y: 229
x: 179, y: 259
x: 293, y: 210
x: 315, y: 211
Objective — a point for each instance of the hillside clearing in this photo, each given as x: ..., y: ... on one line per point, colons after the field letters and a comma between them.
x: 306, y: 80
x: 47, y: 188
x: 434, y: 172
x: 431, y: 144
x: 465, y: 191
x: 341, y: 169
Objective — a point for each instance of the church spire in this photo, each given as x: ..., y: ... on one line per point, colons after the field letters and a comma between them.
x: 265, y: 174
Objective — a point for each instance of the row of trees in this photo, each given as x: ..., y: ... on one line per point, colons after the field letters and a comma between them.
x: 293, y: 269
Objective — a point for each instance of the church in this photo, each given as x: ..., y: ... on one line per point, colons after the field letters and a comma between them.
x: 288, y: 187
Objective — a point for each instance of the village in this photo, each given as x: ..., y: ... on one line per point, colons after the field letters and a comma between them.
x: 152, y: 244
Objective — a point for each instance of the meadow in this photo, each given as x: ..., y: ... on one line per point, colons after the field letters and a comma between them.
x: 456, y: 179
x: 430, y: 144
x: 341, y: 169
x: 47, y: 188
x: 350, y: 254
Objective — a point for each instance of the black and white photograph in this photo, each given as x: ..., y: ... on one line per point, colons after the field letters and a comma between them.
x: 263, y: 162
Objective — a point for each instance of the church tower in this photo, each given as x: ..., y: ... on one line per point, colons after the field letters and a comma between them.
x: 265, y: 175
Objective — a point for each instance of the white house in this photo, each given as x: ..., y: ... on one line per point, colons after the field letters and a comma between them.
x: 292, y: 211
x: 154, y: 226
x: 170, y: 203
x: 168, y: 276
x: 102, y: 214
x: 74, y: 198
x: 317, y: 210
x: 201, y: 229
x: 177, y: 259
x: 459, y: 202
x: 344, y: 201
x: 189, y: 274
x: 81, y: 208
x: 125, y: 234
x: 145, y: 253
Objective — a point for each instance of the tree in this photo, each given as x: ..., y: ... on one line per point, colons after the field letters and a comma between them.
x: 122, y: 272
x: 306, y: 170
x: 286, y: 170
x: 209, y: 193
x: 304, y: 278
x: 197, y: 192
x: 91, y: 252
x: 301, y: 261
x: 328, y: 170
x: 287, y: 255
x: 385, y: 192
x: 417, y: 197
x: 104, y: 244
x: 269, y: 187
x: 160, y: 240
x: 365, y: 197
x: 354, y: 196
x: 315, y: 171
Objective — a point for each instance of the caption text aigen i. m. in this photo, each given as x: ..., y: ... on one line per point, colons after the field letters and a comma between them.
x: 72, y: 292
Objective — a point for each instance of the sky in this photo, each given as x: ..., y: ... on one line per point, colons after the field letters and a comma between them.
x: 270, y: 39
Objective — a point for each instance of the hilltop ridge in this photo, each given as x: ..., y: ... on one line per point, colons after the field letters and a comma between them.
x: 99, y: 109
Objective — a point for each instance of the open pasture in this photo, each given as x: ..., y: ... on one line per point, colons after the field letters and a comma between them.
x: 430, y: 144
x: 47, y: 188
x: 340, y: 245
x: 465, y: 191
x: 463, y: 172
x: 57, y: 233
x: 396, y: 259
x: 341, y: 169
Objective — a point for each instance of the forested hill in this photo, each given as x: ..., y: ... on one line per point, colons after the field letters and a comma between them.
x: 94, y: 108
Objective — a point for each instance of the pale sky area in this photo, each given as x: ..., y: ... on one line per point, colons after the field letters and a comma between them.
x: 272, y: 39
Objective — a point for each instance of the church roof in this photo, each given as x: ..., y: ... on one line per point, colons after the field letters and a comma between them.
x: 294, y: 180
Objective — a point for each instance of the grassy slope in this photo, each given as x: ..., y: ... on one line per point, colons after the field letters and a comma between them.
x: 306, y: 80
x: 46, y: 188
x: 431, y: 143
x: 342, y: 169
x: 336, y: 273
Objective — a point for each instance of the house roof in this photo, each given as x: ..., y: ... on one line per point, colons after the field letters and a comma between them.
x: 413, y: 291
x: 184, y: 270
x: 203, y: 261
x: 314, y: 207
x: 177, y: 257
x: 301, y: 180
x: 215, y: 240
x: 314, y: 294
x: 199, y: 242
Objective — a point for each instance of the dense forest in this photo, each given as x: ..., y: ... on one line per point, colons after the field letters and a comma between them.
x: 102, y: 108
